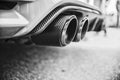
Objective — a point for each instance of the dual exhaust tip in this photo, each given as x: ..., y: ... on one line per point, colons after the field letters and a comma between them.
x: 63, y: 30
x: 82, y: 29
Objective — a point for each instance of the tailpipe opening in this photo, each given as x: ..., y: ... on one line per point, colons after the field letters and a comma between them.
x: 59, y: 33
x: 82, y: 29
x: 99, y: 25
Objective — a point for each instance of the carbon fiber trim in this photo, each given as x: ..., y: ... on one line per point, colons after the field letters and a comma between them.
x: 39, y: 28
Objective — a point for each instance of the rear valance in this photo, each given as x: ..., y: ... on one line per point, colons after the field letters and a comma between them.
x: 11, y: 18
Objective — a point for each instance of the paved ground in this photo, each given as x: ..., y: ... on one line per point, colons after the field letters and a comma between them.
x: 95, y: 58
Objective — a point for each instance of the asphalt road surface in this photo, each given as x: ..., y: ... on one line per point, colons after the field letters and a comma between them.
x: 95, y: 58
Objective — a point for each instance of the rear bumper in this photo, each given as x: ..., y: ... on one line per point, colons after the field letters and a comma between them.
x: 11, y: 22
x: 31, y: 14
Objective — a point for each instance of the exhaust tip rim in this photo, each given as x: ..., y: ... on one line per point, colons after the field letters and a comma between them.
x: 84, y: 28
x: 69, y: 30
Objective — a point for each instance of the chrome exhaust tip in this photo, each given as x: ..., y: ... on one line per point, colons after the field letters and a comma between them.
x: 99, y: 25
x: 82, y: 29
x: 69, y: 31
x: 59, y: 33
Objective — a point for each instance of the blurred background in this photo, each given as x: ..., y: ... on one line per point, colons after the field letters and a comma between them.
x: 110, y: 9
x: 95, y: 58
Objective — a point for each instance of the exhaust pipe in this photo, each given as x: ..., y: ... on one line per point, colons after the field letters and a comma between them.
x: 92, y: 24
x: 99, y: 25
x: 82, y: 29
x: 59, y: 33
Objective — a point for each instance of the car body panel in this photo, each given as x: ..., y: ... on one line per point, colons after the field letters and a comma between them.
x: 36, y: 11
x: 36, y: 15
